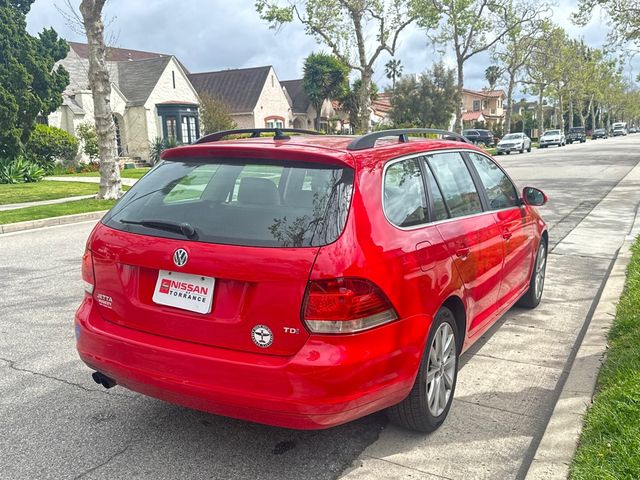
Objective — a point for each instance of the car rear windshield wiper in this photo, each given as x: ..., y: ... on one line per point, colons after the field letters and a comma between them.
x: 183, y: 228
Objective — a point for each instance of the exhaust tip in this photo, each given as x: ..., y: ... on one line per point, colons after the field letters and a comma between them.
x: 102, y: 379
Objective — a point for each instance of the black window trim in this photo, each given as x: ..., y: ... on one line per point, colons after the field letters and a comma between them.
x: 474, y: 175
x: 484, y: 195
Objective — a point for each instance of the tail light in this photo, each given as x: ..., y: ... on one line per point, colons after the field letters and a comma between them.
x: 87, y: 272
x: 345, y: 305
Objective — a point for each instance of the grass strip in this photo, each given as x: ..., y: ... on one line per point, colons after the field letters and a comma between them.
x: 44, y: 190
x: 610, y: 443
x: 55, y: 210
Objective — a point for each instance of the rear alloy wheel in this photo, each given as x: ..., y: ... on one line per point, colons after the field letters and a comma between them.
x: 429, y: 401
x: 532, y: 298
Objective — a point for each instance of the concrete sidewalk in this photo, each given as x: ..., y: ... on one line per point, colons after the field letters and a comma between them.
x: 510, y: 380
x: 125, y: 181
x: 15, y: 206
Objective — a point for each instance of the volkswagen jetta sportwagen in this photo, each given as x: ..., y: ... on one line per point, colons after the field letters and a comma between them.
x: 305, y: 281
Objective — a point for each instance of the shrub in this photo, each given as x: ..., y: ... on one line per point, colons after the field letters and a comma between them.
x: 20, y: 170
x: 87, y: 133
x: 159, y: 145
x: 49, y: 144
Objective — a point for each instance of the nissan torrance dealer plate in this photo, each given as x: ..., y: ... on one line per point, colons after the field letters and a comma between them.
x: 185, y: 291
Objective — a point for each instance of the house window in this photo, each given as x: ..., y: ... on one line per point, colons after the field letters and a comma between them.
x: 188, y: 129
x: 179, y: 122
x: 485, y: 104
x: 476, y: 105
x: 274, y: 122
x: 170, y: 124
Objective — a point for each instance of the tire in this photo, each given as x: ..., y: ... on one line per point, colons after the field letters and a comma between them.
x: 418, y: 411
x: 522, y: 150
x: 529, y: 149
x: 508, y: 152
x: 533, y: 295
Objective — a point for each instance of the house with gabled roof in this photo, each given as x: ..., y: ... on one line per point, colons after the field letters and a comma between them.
x: 254, y: 96
x: 304, y: 113
x: 151, y: 98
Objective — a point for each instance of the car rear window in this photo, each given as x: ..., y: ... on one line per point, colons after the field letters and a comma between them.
x: 238, y: 202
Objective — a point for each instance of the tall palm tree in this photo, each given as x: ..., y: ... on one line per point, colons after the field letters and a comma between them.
x: 393, y: 68
x: 492, y: 74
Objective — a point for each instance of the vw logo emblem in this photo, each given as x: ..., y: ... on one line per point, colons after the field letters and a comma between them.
x: 262, y: 336
x: 180, y: 257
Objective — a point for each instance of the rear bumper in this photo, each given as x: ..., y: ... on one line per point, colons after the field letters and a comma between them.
x: 331, y: 380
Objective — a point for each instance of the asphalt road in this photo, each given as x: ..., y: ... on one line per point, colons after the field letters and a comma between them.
x: 56, y: 423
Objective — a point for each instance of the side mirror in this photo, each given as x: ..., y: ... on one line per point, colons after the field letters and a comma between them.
x: 534, y: 196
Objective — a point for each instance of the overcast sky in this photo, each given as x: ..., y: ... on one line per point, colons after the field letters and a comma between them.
x: 209, y: 35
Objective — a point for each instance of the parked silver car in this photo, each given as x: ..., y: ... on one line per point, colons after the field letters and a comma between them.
x: 553, y: 137
x: 514, y: 142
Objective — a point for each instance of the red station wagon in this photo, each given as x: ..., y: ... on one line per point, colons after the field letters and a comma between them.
x: 305, y: 281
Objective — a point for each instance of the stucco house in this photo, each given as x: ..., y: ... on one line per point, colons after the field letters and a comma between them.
x: 151, y: 97
x: 254, y: 96
x: 485, y: 106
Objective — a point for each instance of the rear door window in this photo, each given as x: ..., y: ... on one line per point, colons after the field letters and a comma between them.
x: 265, y: 203
x: 456, y: 183
x: 405, y: 200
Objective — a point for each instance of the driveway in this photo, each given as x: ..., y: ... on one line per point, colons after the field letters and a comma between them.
x: 56, y: 423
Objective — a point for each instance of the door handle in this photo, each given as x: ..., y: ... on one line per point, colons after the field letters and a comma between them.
x: 506, y: 234
x: 463, y: 252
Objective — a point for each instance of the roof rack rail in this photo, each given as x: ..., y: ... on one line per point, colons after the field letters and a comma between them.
x: 369, y: 140
x: 255, y: 133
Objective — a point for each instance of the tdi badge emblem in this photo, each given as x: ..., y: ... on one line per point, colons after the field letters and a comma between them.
x: 262, y: 336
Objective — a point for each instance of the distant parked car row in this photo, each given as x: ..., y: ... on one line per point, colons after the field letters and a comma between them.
x: 520, y: 142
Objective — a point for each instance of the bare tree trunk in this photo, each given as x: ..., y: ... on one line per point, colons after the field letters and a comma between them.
x: 561, y: 108
x: 364, y: 97
x: 592, y: 114
x: 459, y: 102
x: 110, y: 183
x: 540, y: 113
x: 570, y: 112
x: 507, y: 117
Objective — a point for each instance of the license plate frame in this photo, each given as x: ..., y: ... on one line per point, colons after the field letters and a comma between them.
x: 186, y: 291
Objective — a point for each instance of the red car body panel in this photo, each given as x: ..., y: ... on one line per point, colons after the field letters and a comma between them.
x: 307, y: 381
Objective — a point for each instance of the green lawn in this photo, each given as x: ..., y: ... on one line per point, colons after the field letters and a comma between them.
x: 127, y: 173
x: 610, y: 444
x: 44, y: 190
x: 56, y: 210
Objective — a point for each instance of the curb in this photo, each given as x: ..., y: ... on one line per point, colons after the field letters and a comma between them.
x: 554, y: 455
x: 49, y: 222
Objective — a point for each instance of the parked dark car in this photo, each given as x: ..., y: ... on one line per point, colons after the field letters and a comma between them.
x: 480, y: 137
x: 576, y: 134
x: 599, y: 133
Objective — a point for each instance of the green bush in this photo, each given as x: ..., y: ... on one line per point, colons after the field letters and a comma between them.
x: 50, y: 144
x: 20, y: 170
x: 159, y: 145
x: 87, y: 133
